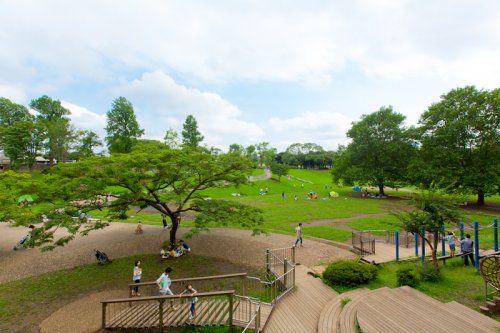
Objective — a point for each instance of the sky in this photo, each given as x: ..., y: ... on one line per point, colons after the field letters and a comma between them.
x: 249, y: 71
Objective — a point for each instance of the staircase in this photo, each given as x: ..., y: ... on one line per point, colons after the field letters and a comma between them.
x: 398, y: 310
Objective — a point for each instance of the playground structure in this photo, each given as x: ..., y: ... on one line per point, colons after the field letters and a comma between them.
x: 396, y: 245
x: 489, y: 267
x: 224, y: 300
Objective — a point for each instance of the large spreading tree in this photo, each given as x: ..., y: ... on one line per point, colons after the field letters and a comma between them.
x: 460, y: 142
x: 170, y: 181
x: 122, y: 128
x: 379, y: 151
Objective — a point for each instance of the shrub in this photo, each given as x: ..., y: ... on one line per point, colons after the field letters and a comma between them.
x: 407, y: 276
x: 429, y: 273
x: 344, y: 301
x: 349, y: 273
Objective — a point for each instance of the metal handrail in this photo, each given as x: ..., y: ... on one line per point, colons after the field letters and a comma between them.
x: 255, y: 319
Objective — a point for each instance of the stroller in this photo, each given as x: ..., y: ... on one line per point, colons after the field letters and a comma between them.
x: 102, y: 258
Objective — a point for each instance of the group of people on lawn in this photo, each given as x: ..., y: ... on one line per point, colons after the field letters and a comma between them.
x: 164, y: 283
x: 176, y: 250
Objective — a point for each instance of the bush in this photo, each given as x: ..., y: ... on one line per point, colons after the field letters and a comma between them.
x: 349, y: 273
x: 407, y: 276
x: 429, y: 273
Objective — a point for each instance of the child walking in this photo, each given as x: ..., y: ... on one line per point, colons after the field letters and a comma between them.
x: 191, y: 292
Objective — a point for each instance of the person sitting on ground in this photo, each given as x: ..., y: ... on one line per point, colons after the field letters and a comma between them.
x: 164, y: 254
x: 191, y: 292
x: 450, y: 238
x: 173, y: 252
x: 185, y: 246
x: 138, y: 229
x: 25, y: 239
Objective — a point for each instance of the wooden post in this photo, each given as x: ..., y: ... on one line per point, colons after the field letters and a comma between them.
x: 396, y: 238
x: 268, y: 270
x: 257, y: 320
x: 476, y: 244
x: 160, y: 316
x: 244, y: 285
x: 231, y: 328
x: 293, y: 254
x: 103, y: 325
x: 495, y: 234
x: 285, y: 268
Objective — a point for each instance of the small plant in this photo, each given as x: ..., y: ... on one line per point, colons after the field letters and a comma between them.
x: 344, y: 301
x: 430, y: 273
x: 349, y: 273
x: 407, y: 276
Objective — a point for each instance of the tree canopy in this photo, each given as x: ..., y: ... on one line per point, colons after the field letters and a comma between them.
x: 170, y: 181
x: 53, y: 119
x: 122, y: 127
x: 460, y: 142
x: 379, y: 152
x: 191, y: 136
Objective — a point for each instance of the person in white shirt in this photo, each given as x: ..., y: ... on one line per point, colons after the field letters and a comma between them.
x: 298, y: 232
x: 137, y: 277
x: 164, y: 282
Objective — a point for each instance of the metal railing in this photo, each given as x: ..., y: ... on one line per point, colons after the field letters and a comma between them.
x: 363, y: 242
x: 254, y: 321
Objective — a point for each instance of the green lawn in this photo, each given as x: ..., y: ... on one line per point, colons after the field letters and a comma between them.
x: 281, y: 216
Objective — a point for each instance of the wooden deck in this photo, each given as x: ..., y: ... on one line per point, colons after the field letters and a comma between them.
x: 387, y: 252
x: 408, y: 310
x: 299, y: 311
x: 329, y: 317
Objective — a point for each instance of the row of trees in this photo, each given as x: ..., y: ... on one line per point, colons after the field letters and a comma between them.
x: 455, y: 146
x: 46, y: 130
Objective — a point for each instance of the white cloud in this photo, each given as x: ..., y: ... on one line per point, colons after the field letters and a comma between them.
x: 325, y: 128
x: 13, y: 92
x: 161, y: 103
x: 246, y: 40
x: 85, y: 119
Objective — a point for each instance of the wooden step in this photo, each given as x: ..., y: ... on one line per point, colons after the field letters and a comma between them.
x: 347, y: 320
x: 407, y: 310
x: 492, y: 306
x: 328, y: 319
x: 474, y: 316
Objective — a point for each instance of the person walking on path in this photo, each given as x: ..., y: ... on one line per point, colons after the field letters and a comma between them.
x: 164, y: 282
x: 298, y: 232
x: 137, y: 277
x: 191, y: 292
x: 467, y: 246
x: 450, y: 238
x: 164, y: 221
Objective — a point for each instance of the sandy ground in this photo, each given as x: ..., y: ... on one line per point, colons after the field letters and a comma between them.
x: 119, y: 240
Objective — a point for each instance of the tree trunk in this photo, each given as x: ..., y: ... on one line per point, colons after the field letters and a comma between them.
x: 480, y: 197
x: 176, y: 220
x: 381, y: 188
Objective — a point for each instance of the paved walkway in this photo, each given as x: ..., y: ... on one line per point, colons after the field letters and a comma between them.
x: 299, y: 311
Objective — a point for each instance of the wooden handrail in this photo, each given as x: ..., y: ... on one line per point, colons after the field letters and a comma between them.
x: 212, y: 277
x: 167, y: 297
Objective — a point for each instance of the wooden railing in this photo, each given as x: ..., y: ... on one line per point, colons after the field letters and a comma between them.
x: 279, y: 280
x: 154, y: 312
x: 201, y: 284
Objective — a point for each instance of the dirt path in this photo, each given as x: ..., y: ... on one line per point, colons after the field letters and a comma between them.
x: 342, y: 222
x: 119, y: 240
